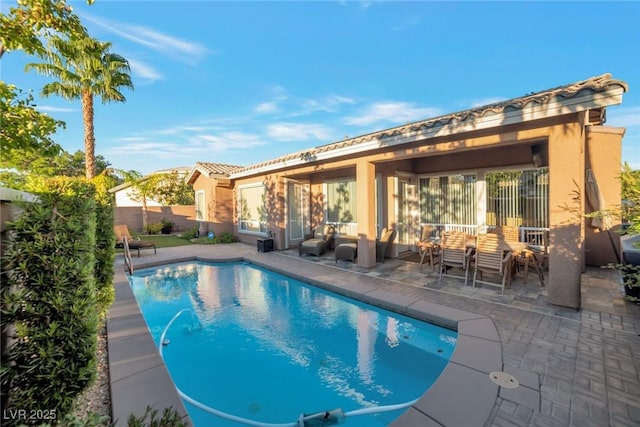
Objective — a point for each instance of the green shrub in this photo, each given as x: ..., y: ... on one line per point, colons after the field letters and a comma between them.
x: 105, y: 243
x: 48, y: 299
x: 191, y: 233
x: 169, y: 418
x: 224, y: 237
x: 153, y: 228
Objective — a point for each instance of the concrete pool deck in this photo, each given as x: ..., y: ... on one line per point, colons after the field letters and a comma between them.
x: 577, y: 368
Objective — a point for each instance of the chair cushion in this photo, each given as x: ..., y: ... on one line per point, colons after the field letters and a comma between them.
x: 387, y: 234
x: 312, y: 243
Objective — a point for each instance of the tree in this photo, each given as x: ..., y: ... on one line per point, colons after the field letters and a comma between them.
x: 31, y: 21
x: 21, y: 163
x: 173, y: 189
x: 142, y: 188
x: 24, y: 130
x: 83, y: 68
x: 630, y: 181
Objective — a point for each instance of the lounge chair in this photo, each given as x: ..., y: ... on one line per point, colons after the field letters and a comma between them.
x: 318, y: 241
x: 122, y: 232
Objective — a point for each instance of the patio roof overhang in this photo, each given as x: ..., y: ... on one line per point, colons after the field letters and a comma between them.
x: 593, y: 94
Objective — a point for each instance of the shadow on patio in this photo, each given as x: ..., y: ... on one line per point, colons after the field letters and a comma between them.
x: 601, y: 288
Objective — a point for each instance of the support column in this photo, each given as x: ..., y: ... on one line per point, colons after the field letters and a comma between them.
x: 365, y: 189
x: 566, y: 205
x: 604, y: 158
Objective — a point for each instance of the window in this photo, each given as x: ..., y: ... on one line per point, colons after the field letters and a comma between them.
x: 201, y: 208
x: 449, y: 201
x: 518, y: 198
x: 252, y: 212
x: 341, y: 205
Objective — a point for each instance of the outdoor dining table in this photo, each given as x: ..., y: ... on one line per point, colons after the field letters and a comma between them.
x: 520, y: 250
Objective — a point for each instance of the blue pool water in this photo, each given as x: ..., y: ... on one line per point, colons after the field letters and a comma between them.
x: 263, y: 346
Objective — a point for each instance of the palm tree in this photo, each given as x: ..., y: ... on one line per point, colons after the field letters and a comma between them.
x: 84, y: 67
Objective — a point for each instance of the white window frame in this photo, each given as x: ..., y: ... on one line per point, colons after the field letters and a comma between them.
x: 201, y: 211
x: 239, y: 207
x: 348, y: 228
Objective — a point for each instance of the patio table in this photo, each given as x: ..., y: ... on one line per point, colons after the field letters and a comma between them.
x: 520, y: 250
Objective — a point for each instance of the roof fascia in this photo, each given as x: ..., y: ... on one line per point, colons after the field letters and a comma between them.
x: 558, y: 106
x: 192, y: 175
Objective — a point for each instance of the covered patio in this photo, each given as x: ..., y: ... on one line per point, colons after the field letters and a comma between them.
x: 523, y: 162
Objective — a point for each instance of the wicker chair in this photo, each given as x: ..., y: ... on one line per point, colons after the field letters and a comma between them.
x: 383, y: 245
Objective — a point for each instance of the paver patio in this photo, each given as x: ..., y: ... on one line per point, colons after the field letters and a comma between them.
x: 587, y: 362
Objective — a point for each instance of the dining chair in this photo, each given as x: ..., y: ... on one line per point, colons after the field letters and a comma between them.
x: 454, y: 253
x: 510, y: 233
x: 428, y: 246
x: 491, y: 255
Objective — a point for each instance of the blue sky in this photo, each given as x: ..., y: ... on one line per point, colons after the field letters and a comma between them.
x: 242, y: 82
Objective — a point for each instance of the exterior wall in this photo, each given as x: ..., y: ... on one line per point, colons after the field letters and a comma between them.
x: 604, y: 157
x: 243, y: 236
x: 184, y: 217
x: 125, y: 197
x: 563, y: 140
x: 218, y: 198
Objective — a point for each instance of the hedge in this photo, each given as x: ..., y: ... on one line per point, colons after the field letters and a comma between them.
x: 49, y: 301
x: 105, y: 243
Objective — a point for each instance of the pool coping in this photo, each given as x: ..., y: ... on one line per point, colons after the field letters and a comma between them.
x: 464, y: 394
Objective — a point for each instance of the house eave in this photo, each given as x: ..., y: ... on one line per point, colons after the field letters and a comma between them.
x: 557, y: 106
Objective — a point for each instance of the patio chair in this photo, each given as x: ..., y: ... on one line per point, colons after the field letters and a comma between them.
x: 383, y: 245
x: 122, y: 232
x: 508, y: 232
x: 428, y: 245
x: 454, y: 253
x: 492, y: 256
x: 318, y: 241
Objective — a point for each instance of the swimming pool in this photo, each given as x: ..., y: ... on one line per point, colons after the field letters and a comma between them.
x: 267, y: 347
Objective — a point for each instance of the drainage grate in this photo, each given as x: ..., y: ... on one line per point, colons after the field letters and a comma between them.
x: 504, y: 380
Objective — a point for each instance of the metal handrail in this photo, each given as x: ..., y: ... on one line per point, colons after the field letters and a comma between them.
x: 128, y: 264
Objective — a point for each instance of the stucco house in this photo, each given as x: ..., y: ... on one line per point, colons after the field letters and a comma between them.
x: 539, y: 161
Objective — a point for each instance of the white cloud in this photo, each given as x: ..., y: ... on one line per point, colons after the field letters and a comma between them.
x: 486, y: 101
x: 144, y: 71
x: 267, y: 107
x: 328, y: 104
x: 408, y: 23
x: 52, y: 109
x: 231, y: 140
x: 186, y: 51
x: 623, y: 116
x: 181, y: 128
x: 393, y: 112
x: 298, y: 131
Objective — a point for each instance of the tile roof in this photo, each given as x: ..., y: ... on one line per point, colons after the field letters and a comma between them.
x: 594, y: 84
x: 216, y: 168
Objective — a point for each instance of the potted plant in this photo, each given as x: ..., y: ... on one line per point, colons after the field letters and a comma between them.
x: 167, y: 226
